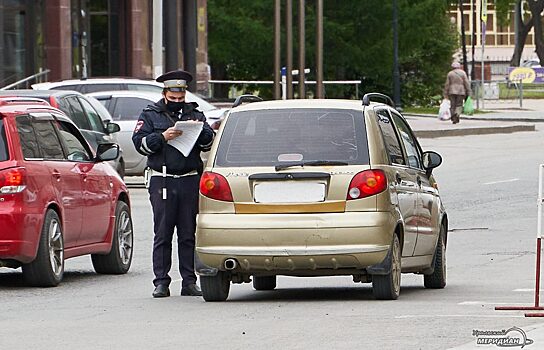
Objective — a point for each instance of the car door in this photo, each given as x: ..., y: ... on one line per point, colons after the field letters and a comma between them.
x: 96, y: 186
x: 427, y: 201
x: 404, y: 179
x: 40, y: 144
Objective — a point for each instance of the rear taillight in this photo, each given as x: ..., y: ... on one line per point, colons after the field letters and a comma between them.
x: 12, y: 180
x: 367, y: 183
x: 215, y: 186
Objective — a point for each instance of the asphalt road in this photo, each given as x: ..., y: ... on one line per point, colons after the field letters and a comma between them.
x: 489, y: 184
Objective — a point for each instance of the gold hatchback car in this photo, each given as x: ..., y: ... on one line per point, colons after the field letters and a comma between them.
x: 319, y: 188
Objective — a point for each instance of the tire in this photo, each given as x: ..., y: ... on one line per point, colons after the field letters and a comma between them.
x: 119, y: 259
x: 264, y: 282
x: 47, y: 269
x: 387, y: 287
x: 437, y: 279
x: 121, y: 168
x: 215, y: 288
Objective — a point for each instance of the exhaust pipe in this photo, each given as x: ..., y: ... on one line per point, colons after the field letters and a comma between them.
x: 230, y: 264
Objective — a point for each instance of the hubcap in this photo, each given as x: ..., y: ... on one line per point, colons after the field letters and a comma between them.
x: 56, y: 248
x: 124, y: 233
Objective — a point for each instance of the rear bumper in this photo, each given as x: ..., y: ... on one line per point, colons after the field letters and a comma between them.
x: 19, y: 235
x: 295, y: 242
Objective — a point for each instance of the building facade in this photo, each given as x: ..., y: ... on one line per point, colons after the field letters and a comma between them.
x: 84, y: 38
x: 499, y: 41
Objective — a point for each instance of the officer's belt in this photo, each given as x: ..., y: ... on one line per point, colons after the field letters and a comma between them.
x: 158, y: 173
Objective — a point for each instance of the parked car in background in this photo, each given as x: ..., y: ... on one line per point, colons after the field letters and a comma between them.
x: 57, y: 199
x: 86, y: 86
x: 319, y: 188
x: 531, y: 63
x: 125, y: 108
x: 94, y: 122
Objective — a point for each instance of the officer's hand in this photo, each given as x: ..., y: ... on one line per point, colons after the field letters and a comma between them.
x: 171, y: 133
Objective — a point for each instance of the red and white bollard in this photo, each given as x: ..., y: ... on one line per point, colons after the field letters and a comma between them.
x: 538, y: 252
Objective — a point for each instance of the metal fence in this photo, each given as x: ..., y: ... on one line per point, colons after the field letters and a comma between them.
x: 236, y: 85
x: 41, y: 76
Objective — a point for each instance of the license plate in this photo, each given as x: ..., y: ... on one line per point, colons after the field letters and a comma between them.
x: 289, y: 192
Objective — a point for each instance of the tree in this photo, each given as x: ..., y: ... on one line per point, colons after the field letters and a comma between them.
x: 357, y: 44
x: 524, y: 24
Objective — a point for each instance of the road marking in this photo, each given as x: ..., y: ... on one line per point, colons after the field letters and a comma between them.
x: 486, y: 303
x: 524, y: 290
x: 500, y: 182
x: 460, y: 316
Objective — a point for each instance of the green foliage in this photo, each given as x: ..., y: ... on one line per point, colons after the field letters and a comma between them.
x: 358, y: 44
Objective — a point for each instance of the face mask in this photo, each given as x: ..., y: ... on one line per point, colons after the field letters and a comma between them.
x: 174, y: 106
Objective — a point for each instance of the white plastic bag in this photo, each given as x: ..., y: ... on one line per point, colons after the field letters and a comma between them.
x: 444, y: 111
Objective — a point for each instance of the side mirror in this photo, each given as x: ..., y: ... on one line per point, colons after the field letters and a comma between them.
x: 113, y: 127
x: 107, y: 151
x: 431, y: 160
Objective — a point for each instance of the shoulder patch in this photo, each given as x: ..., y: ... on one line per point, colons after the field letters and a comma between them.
x: 139, y: 125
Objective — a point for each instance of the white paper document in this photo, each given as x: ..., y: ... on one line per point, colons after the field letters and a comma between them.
x: 191, y: 130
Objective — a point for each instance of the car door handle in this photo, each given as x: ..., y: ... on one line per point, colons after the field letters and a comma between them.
x: 56, y: 174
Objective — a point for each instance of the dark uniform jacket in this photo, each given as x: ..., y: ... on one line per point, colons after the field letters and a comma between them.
x: 149, y: 141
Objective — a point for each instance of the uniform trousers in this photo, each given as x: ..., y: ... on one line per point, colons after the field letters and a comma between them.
x: 178, y: 211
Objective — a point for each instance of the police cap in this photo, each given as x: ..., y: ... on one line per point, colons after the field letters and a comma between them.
x: 176, y: 80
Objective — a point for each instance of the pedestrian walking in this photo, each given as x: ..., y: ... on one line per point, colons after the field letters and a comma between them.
x: 172, y: 180
x: 456, y: 89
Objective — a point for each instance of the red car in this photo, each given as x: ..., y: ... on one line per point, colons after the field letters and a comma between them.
x: 57, y: 199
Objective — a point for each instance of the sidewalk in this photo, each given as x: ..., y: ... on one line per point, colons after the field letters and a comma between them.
x: 500, y: 118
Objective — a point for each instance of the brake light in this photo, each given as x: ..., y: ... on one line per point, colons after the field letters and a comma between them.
x: 367, y: 183
x: 12, y: 180
x: 215, y: 186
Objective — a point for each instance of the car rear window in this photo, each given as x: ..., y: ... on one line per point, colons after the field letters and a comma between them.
x: 272, y: 137
x: 4, y: 152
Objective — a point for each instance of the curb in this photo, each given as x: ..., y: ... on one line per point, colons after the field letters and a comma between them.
x: 473, y: 131
x: 506, y: 119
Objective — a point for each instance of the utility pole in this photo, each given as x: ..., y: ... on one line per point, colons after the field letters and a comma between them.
x: 157, y: 38
x: 319, y: 50
x: 277, y: 49
x: 171, y: 35
x: 301, y: 50
x: 289, y: 39
x: 473, y: 70
x: 463, y: 41
x: 189, y: 39
x: 396, y: 73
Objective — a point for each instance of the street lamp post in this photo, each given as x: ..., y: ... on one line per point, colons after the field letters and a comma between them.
x: 396, y: 73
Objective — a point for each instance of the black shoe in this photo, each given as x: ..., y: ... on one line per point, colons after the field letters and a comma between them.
x: 161, y: 291
x: 191, y: 290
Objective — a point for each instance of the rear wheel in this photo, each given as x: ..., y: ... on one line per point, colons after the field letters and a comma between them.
x: 387, y: 287
x: 48, y: 267
x: 215, y: 288
x: 437, y: 279
x: 119, y: 259
x: 264, y: 282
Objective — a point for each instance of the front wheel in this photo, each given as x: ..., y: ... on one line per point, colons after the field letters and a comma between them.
x: 437, y: 279
x: 119, y: 259
x: 215, y: 288
x: 387, y: 287
x: 48, y: 267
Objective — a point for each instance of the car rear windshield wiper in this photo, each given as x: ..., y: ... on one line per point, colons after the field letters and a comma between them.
x: 310, y: 163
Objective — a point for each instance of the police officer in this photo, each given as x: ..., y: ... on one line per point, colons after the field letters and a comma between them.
x: 173, y: 180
